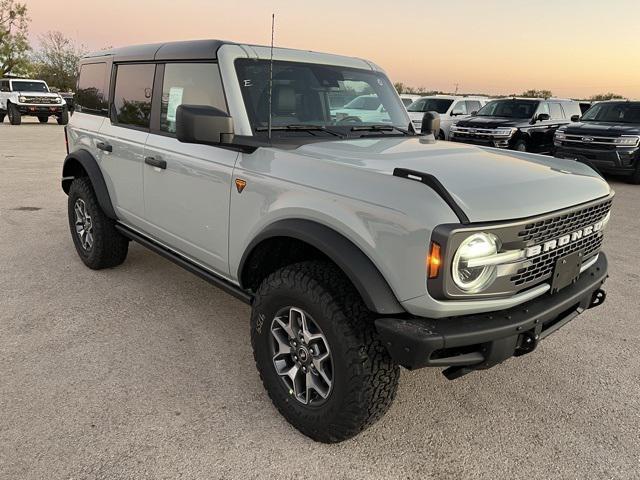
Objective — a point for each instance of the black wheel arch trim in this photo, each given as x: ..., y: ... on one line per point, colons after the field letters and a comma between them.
x: 90, y: 165
x: 365, y: 276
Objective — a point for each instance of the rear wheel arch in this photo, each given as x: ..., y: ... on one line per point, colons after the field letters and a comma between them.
x: 294, y: 240
x: 82, y: 164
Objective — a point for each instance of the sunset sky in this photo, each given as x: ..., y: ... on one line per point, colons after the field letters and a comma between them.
x: 573, y: 48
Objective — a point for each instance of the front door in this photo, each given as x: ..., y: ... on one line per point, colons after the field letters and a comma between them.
x: 122, y: 138
x: 187, y: 186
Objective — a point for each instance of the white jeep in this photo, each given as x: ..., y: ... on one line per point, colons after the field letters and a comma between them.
x: 19, y: 97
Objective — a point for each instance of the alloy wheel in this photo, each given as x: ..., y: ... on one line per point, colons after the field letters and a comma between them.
x: 84, y: 225
x: 301, y: 356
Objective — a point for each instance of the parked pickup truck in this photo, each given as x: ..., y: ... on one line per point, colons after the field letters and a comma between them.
x: 360, y: 246
x: 20, y: 97
x: 607, y: 138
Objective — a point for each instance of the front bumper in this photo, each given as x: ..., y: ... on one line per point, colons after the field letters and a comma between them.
x: 26, y: 109
x: 482, y: 341
x: 620, y: 160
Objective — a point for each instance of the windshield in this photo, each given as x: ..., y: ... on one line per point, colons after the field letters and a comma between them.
x: 509, y: 108
x: 337, y: 98
x: 626, y: 112
x: 440, y: 105
x: 23, y: 86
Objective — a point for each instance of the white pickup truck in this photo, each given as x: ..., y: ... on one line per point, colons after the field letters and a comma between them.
x: 20, y: 97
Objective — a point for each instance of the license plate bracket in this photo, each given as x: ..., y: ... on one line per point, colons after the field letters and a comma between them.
x: 566, y: 271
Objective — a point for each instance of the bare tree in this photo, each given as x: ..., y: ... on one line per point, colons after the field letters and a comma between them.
x: 537, y: 94
x: 605, y: 96
x: 14, y: 45
x: 56, y: 60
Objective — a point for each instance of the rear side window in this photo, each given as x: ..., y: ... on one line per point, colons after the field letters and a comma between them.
x: 132, y: 95
x: 190, y: 84
x: 91, y: 97
x: 556, y: 111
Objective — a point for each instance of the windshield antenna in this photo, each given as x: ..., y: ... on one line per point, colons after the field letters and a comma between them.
x: 273, y: 22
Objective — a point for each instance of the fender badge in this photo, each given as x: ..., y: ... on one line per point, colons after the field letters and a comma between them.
x: 240, y: 184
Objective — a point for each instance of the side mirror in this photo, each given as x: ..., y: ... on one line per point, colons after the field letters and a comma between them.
x: 203, y: 124
x: 430, y: 124
x: 474, y: 113
x: 575, y: 118
x: 543, y: 117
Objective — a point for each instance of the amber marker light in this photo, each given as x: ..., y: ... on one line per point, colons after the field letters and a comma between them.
x: 434, y: 261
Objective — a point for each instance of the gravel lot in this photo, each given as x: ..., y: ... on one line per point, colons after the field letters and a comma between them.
x: 146, y: 371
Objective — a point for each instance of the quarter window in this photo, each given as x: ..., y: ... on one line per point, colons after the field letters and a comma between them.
x: 132, y: 95
x: 191, y: 84
x: 90, y: 97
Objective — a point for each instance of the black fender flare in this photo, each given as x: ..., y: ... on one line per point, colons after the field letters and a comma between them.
x: 79, y: 162
x: 365, y: 276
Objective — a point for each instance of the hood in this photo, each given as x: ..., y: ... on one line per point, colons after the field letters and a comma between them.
x: 492, y: 122
x: 602, y: 129
x: 38, y: 94
x: 488, y: 184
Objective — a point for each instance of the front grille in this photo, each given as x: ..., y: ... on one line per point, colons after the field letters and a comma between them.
x: 466, y: 132
x: 541, y: 267
x: 42, y: 100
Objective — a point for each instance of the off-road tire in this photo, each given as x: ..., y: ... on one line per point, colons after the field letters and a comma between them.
x: 15, y: 118
x: 520, y: 146
x: 109, y: 246
x: 43, y: 119
x: 365, y: 377
x: 2, y: 115
x: 63, y: 119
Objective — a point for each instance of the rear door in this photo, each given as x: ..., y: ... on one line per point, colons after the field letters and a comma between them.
x: 186, y: 198
x: 124, y: 135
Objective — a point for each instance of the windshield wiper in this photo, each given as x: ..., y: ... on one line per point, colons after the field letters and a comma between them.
x: 380, y: 128
x: 300, y: 128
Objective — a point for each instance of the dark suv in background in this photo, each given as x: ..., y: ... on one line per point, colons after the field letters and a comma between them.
x: 523, y: 124
x: 607, y: 137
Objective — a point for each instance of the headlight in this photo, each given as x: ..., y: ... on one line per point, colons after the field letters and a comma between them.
x: 22, y: 99
x: 475, y: 279
x: 627, y: 141
x: 558, y: 138
x: 503, y: 132
x: 58, y: 100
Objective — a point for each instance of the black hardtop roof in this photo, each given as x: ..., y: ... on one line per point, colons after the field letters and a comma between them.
x: 185, y: 50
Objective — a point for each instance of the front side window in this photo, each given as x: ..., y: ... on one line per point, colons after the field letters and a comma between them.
x: 509, y: 108
x: 191, y: 84
x: 318, y: 95
x: 623, y: 112
x: 132, y: 95
x: 543, y: 108
x: 91, y: 97
x: 556, y: 111
x: 460, y: 108
x: 439, y: 105
x: 473, y: 106
x: 27, y: 86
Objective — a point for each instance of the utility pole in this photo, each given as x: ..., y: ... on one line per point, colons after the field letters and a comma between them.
x: 456, y: 85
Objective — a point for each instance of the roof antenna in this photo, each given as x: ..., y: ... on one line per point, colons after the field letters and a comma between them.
x: 273, y: 22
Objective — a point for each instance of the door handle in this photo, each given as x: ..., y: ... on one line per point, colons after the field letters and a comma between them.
x: 155, y: 162
x: 104, y: 147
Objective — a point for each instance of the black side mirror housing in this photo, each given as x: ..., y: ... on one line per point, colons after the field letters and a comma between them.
x: 430, y: 124
x: 474, y: 113
x: 203, y: 124
x: 575, y: 118
x: 543, y: 117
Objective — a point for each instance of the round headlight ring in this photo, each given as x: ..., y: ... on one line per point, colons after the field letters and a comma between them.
x: 475, y: 279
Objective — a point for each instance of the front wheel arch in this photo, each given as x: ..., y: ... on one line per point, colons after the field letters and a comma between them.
x: 349, y: 258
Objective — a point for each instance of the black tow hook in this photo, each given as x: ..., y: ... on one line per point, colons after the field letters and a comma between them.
x: 598, y: 298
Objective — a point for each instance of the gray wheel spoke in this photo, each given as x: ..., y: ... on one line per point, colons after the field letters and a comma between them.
x: 301, y: 356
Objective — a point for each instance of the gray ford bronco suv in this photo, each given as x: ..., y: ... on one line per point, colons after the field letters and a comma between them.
x: 360, y: 245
